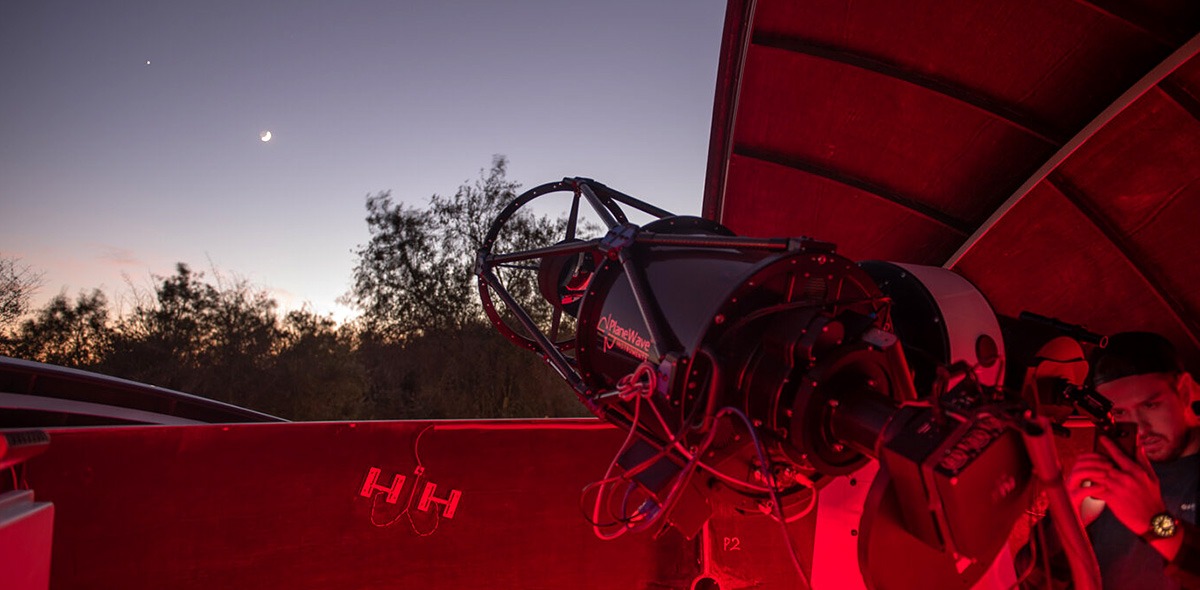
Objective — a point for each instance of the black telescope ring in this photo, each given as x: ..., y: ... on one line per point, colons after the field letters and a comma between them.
x: 602, y: 199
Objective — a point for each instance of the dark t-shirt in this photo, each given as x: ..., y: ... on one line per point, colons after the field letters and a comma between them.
x: 1129, y: 563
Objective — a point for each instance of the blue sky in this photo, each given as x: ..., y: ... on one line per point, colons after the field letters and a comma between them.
x: 111, y: 167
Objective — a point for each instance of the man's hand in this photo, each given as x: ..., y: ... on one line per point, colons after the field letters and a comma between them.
x: 1130, y: 488
x: 1088, y: 469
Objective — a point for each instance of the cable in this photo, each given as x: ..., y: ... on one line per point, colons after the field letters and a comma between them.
x: 812, y: 503
x: 680, y: 479
x: 417, y: 445
x: 730, y: 479
x: 419, y: 471
x: 641, y: 384
x: 628, y: 387
x: 776, y: 506
x: 1033, y: 554
x: 638, y: 385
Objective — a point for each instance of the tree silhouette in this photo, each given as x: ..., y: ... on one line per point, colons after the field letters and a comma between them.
x: 213, y: 340
x: 424, y: 340
x: 416, y: 274
x: 421, y: 349
x: 18, y: 283
x: 64, y: 333
x: 317, y: 371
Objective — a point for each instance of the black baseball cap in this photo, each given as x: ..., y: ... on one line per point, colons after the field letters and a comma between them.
x: 1134, y: 353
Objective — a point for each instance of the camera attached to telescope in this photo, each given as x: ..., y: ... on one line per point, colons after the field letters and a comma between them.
x: 1097, y: 409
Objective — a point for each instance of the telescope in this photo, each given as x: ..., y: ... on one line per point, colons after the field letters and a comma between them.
x: 749, y: 372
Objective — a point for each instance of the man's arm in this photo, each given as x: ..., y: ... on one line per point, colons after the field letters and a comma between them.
x: 1186, y: 566
x: 1132, y: 493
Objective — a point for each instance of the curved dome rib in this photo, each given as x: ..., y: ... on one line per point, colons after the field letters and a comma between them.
x: 917, y: 132
x: 1152, y: 79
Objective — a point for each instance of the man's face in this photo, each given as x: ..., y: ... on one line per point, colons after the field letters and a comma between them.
x: 1153, y: 402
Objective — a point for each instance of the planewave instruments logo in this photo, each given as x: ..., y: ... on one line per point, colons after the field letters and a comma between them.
x: 626, y: 339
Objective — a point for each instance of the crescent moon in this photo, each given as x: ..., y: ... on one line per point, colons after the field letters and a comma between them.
x: 266, y: 136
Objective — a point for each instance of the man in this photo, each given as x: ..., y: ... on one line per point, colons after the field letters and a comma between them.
x: 1140, y: 511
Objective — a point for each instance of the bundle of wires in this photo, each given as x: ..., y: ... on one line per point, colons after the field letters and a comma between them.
x: 638, y: 387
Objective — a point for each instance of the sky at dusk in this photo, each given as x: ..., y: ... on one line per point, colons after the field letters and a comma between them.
x: 130, y: 130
